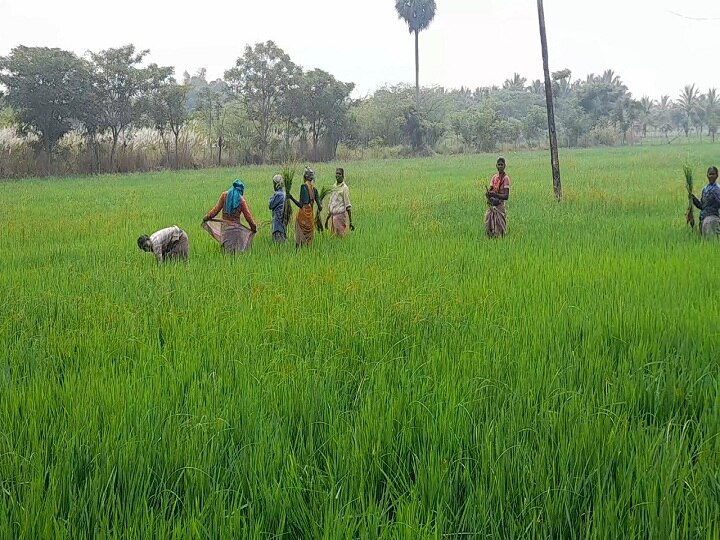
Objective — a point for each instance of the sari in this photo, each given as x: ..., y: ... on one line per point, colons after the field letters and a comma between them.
x: 305, y: 222
x: 233, y: 237
x: 496, y: 217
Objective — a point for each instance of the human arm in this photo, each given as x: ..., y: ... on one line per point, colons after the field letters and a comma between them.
x: 290, y: 196
x: 317, y: 200
x: 698, y: 204
x: 503, y: 194
x: 245, y: 210
x: 348, y: 206
x: 215, y: 209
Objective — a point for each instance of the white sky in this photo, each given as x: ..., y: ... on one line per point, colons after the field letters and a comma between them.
x: 470, y: 42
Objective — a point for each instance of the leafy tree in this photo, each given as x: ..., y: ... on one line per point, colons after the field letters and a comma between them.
x: 262, y: 77
x: 646, y: 109
x: 46, y: 89
x: 325, y: 105
x: 478, y: 127
x: 168, y: 113
x: 382, y: 117
x: 418, y: 14
x: 534, y: 124
x: 122, y: 83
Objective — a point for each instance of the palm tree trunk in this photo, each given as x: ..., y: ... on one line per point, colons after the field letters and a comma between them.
x: 554, y: 159
x: 417, y: 73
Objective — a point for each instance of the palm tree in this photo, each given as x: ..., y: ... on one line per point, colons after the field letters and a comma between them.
x: 554, y: 159
x: 418, y: 14
x: 688, y: 103
x: 646, y: 107
x: 537, y: 87
x: 517, y: 82
x: 662, y: 115
x: 609, y: 77
x: 712, y: 112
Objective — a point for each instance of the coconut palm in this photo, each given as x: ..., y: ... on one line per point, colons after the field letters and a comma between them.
x: 517, y: 82
x: 688, y: 103
x: 645, y: 109
x: 712, y: 112
x: 662, y: 115
x: 418, y: 14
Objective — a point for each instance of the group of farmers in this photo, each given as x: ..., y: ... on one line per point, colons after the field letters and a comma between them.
x: 234, y: 236
x: 172, y: 242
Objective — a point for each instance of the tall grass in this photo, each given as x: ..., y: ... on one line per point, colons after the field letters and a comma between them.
x: 414, y: 380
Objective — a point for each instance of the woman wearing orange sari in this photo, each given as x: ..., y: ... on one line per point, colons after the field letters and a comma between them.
x: 305, y: 220
x: 497, y: 194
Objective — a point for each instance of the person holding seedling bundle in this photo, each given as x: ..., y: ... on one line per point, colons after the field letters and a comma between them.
x: 232, y: 235
x: 276, y: 206
x: 709, y: 205
x: 165, y: 244
x: 497, y: 194
x: 305, y: 220
x: 339, y: 208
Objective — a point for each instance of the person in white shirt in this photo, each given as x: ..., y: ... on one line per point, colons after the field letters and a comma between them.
x: 169, y: 243
x: 339, y: 208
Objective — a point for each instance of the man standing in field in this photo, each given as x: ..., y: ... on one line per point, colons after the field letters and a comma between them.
x: 709, y: 206
x: 339, y: 208
x: 169, y: 243
x: 497, y: 194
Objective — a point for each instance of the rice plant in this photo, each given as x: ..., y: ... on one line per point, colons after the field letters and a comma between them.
x: 689, y: 214
x: 415, y: 380
x: 288, y: 173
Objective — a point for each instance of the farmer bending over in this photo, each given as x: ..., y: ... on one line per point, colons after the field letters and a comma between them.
x: 168, y: 243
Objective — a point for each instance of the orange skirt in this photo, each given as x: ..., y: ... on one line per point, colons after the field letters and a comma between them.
x: 304, y: 226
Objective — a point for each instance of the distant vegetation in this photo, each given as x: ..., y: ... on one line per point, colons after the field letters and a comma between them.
x: 112, y: 111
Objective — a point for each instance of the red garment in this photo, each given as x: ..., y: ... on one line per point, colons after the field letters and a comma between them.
x: 497, y: 185
x: 234, y: 216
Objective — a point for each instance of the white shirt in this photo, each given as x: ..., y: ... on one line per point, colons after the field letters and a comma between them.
x: 339, y: 199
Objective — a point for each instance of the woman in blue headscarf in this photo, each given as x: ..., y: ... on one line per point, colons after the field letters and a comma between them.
x: 233, y: 235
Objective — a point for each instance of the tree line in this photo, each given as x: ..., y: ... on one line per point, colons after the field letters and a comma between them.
x: 111, y: 111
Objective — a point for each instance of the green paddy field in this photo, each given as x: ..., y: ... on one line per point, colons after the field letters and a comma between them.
x: 415, y: 380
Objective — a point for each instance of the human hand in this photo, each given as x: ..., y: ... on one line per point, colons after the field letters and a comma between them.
x: 206, y: 218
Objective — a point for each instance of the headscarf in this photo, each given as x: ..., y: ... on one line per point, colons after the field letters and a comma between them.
x: 234, y: 196
x: 309, y: 174
x: 277, y: 182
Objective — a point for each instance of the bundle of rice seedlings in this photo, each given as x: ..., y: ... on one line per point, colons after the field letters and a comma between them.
x: 689, y: 215
x: 288, y: 173
x: 324, y: 191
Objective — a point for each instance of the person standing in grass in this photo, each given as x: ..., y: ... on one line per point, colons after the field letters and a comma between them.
x: 166, y: 244
x: 709, y: 206
x: 339, y: 207
x: 305, y: 220
x: 276, y: 205
x: 232, y: 234
x: 497, y: 194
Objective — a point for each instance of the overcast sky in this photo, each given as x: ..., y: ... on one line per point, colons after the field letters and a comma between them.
x: 656, y: 46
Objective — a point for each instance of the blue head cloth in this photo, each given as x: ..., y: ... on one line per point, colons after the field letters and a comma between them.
x: 234, y: 196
